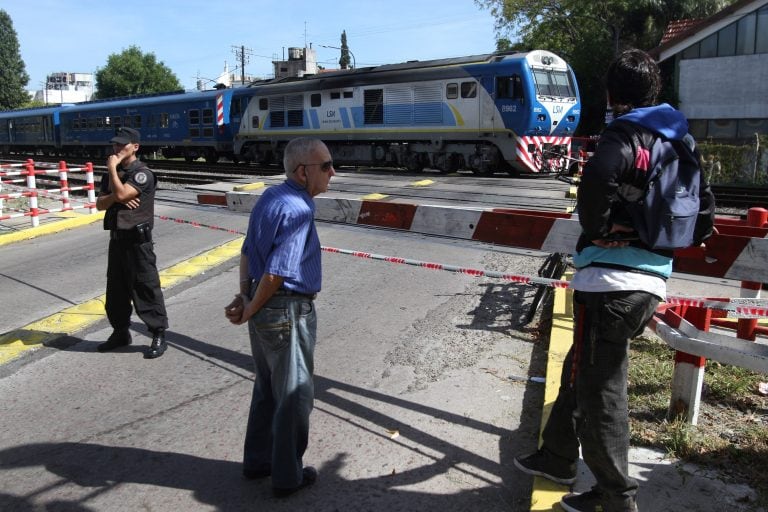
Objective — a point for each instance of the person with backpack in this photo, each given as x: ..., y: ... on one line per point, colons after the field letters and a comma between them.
x: 635, y: 202
x: 127, y: 193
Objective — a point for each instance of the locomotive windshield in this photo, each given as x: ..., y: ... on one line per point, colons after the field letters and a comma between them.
x: 553, y: 83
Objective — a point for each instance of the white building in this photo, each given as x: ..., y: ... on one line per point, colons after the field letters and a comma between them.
x: 65, y: 87
x: 301, y: 61
x: 720, y: 69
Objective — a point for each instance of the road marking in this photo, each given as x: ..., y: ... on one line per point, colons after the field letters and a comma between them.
x: 76, y: 318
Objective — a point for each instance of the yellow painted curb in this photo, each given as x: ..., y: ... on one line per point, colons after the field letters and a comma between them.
x: 422, y: 183
x: 70, y: 220
x: 249, y: 186
x: 374, y: 197
x: 572, y: 193
x: 546, y: 493
x: 80, y: 316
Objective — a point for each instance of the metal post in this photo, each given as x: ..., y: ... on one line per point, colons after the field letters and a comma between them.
x: 746, y: 327
x: 34, y: 212
x: 688, y: 374
x: 64, y: 185
x: 90, y: 188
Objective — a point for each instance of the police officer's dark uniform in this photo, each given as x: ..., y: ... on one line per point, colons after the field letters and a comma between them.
x: 131, y: 267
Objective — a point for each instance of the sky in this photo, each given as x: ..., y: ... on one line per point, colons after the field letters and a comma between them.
x: 194, y: 38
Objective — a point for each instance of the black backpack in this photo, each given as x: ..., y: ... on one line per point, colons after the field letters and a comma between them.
x: 663, y: 200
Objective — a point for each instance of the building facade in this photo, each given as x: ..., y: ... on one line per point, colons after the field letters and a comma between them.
x: 720, y: 69
x: 63, y: 87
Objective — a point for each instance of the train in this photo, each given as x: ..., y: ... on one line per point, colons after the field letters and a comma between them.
x: 485, y: 113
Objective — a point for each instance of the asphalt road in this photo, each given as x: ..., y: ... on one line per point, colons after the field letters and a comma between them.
x: 414, y: 410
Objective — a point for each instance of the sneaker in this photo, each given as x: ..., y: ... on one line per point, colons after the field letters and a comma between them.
x: 118, y: 338
x: 550, y: 466
x: 592, y: 501
x: 589, y: 501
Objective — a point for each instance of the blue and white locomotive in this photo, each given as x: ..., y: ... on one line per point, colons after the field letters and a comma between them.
x: 493, y: 112
x: 484, y: 113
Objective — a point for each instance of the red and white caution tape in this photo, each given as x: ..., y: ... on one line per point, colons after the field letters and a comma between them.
x: 753, y: 310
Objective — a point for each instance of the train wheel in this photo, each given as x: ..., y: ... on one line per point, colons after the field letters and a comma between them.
x: 413, y: 162
x: 211, y: 157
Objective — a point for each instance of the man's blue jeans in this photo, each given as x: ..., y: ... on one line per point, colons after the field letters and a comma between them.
x: 591, y: 406
x: 283, y: 336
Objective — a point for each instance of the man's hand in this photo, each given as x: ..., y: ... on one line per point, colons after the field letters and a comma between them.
x: 132, y: 204
x: 611, y: 244
x: 234, y: 310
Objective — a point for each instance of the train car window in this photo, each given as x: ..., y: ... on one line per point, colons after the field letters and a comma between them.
x: 295, y: 107
x: 347, y: 94
x: 263, y: 104
x: 452, y: 91
x: 100, y: 123
x: 194, y: 132
x: 373, y: 106
x: 117, y: 122
x: 468, y: 89
x: 91, y: 123
x: 207, y: 116
x: 151, y: 121
x: 194, y: 116
x: 208, y: 132
x: 137, y: 121
x: 164, y: 120
x: 335, y: 95
x: 314, y: 100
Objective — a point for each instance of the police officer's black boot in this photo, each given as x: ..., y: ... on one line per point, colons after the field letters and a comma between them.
x: 158, y: 346
x: 118, y: 338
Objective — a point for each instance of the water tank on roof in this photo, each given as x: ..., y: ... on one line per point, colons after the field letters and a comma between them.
x: 295, y: 53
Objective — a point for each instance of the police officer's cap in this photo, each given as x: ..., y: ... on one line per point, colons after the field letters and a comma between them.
x: 126, y: 136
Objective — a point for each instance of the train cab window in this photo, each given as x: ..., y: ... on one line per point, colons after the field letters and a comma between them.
x: 207, y: 116
x: 373, y: 106
x: 347, y: 94
x: 468, y: 89
x: 335, y: 95
x: 314, y: 100
x: 452, y: 91
x: 164, y: 120
x: 263, y: 104
x: 509, y: 87
x: 552, y: 83
x: 194, y: 116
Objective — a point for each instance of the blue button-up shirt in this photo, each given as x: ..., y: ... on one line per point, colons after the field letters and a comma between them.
x: 282, y: 239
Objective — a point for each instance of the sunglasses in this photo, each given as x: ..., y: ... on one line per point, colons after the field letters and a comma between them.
x: 324, y: 166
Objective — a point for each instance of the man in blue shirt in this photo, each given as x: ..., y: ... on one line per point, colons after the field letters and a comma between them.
x: 280, y: 275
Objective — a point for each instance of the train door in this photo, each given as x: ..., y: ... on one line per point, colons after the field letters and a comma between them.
x: 487, y: 107
x: 47, y: 135
x: 10, y: 131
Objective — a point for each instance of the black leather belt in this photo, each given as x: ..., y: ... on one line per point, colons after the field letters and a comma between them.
x: 282, y: 292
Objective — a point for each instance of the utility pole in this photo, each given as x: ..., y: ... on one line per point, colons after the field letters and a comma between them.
x: 242, y: 54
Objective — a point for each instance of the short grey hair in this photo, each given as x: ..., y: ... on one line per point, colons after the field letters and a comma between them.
x: 296, y: 151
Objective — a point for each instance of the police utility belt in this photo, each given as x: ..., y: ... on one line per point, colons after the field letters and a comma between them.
x: 140, y: 234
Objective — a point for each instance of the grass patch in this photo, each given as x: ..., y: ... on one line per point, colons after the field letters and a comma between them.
x: 732, y: 434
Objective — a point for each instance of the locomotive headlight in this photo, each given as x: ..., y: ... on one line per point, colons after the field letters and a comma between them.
x: 541, y: 118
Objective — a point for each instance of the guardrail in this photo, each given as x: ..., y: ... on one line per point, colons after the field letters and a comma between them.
x: 26, y: 173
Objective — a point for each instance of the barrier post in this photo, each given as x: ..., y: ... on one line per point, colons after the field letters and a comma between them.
x: 2, y: 201
x: 688, y: 374
x: 33, y: 210
x: 64, y: 185
x: 90, y: 187
x: 746, y: 328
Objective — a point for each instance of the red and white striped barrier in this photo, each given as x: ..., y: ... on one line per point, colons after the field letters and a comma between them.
x: 739, y: 252
x: 32, y: 192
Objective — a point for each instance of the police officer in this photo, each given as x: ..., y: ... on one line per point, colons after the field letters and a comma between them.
x: 127, y: 194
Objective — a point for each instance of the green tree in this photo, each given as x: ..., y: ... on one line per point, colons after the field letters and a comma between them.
x: 344, y: 60
x: 589, y: 34
x: 13, y: 72
x: 133, y: 72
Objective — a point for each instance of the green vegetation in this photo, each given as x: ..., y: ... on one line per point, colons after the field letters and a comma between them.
x: 728, y: 164
x: 133, y: 72
x: 13, y: 72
